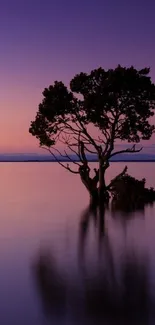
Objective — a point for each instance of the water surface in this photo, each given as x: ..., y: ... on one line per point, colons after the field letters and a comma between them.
x: 51, y: 245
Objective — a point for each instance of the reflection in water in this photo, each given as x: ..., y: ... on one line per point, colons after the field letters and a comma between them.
x: 50, y: 284
x: 124, y: 216
x: 123, y: 299
x: 90, y: 214
x: 116, y: 291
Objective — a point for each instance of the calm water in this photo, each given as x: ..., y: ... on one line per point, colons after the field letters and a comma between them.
x: 52, y: 246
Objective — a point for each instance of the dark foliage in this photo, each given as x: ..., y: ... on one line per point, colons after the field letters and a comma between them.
x: 130, y: 193
x: 121, y: 99
x: 118, y: 103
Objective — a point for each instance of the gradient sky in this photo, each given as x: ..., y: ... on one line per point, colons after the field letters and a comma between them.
x: 47, y: 40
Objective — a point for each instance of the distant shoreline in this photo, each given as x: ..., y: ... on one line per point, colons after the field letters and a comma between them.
x: 53, y: 161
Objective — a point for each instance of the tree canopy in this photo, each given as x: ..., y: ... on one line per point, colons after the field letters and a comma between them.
x: 119, y: 103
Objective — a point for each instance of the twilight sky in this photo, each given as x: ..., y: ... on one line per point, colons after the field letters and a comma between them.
x: 46, y: 40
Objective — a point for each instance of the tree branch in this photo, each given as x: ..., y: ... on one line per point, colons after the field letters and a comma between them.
x: 70, y: 147
x: 106, y: 147
x: 66, y: 156
x: 71, y: 160
x: 88, y: 150
x: 129, y: 150
x: 117, y: 178
x: 106, y: 134
x: 59, y: 162
x: 84, y: 130
x: 101, y: 140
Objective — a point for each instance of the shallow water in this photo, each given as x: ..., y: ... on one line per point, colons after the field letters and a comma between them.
x: 60, y: 263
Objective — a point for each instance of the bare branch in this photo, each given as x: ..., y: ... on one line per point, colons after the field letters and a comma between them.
x: 84, y: 130
x: 79, y: 151
x: 106, y: 134
x: 93, y: 152
x: 111, y: 140
x: 101, y: 140
x: 58, y: 135
x: 59, y: 162
x: 66, y: 156
x: 70, y: 147
x: 76, y: 123
x: 128, y: 150
x: 106, y: 147
x: 70, y: 127
x: 69, y: 132
x: 73, y: 161
x: 63, y: 156
x: 117, y: 178
x: 82, y: 152
x: 62, y: 141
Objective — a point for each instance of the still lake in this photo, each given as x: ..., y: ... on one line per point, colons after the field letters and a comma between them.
x: 55, y: 256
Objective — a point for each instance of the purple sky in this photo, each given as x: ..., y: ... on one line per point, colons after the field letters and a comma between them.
x: 47, y: 40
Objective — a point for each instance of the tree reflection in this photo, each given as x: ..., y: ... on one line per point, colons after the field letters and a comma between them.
x: 92, y: 214
x: 123, y: 299
x: 50, y: 284
x: 116, y: 292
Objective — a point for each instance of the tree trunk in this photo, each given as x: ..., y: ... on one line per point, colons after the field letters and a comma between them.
x: 94, y: 198
x: 102, y: 192
x: 98, y: 195
x: 91, y: 185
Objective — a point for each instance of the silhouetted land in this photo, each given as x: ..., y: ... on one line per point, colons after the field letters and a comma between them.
x: 91, y: 158
x: 52, y: 160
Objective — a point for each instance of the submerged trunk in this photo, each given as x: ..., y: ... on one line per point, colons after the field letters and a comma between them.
x: 94, y: 198
x: 96, y: 186
x: 93, y: 192
x: 90, y: 184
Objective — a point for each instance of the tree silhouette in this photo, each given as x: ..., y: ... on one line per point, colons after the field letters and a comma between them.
x: 117, y: 102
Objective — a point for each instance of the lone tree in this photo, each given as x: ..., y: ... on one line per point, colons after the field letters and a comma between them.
x: 116, y: 104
